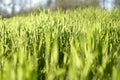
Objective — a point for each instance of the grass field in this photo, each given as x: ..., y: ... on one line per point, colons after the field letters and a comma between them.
x: 81, y: 44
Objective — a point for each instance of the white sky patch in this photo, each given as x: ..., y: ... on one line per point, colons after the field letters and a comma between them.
x: 108, y: 4
x: 9, y: 10
x: 28, y: 6
x: 17, y: 8
x: 7, y: 1
x: 43, y: 2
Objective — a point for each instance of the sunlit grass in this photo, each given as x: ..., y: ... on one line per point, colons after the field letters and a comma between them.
x: 83, y: 44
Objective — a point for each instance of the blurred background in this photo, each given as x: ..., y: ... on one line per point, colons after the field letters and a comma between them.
x: 12, y: 7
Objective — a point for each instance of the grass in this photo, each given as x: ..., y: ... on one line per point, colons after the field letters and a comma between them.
x: 81, y: 44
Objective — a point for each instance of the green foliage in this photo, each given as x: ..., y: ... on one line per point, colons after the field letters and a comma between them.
x: 83, y: 44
